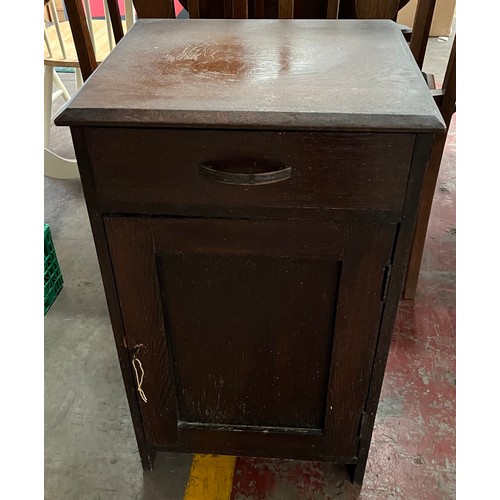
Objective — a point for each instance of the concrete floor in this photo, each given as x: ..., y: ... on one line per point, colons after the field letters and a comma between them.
x: 90, y: 448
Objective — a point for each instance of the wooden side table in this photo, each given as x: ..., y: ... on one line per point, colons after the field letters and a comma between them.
x: 252, y: 188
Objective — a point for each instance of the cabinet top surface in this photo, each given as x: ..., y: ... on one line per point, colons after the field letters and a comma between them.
x: 287, y: 74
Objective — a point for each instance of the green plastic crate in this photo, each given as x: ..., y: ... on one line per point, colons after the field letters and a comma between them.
x: 53, y: 280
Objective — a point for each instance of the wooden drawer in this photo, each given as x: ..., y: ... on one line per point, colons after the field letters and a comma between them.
x: 158, y: 170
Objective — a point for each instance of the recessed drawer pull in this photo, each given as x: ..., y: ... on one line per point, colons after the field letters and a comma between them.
x: 244, y: 173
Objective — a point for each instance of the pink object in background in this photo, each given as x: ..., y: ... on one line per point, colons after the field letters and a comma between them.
x: 178, y: 7
x: 97, y: 8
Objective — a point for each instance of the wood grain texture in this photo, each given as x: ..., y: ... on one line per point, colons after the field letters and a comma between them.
x: 259, y: 73
x: 332, y: 11
x: 252, y: 306
x: 240, y: 9
x: 286, y: 9
x: 343, y: 171
x: 359, y: 310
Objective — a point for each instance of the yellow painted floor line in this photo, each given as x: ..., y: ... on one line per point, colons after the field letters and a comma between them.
x: 210, y: 478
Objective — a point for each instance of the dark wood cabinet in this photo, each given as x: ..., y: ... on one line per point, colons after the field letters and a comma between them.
x: 244, y: 338
x: 253, y: 240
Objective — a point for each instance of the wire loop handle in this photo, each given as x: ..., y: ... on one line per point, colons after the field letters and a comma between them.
x: 138, y: 379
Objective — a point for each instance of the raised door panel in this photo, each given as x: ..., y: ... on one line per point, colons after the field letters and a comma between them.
x: 250, y: 328
x: 244, y: 348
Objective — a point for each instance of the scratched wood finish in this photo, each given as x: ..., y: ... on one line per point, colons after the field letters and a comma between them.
x: 258, y: 338
x: 349, y: 171
x: 259, y: 74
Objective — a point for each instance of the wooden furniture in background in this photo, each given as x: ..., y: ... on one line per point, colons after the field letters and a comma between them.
x: 372, y: 9
x: 442, y: 21
x: 445, y: 98
x: 388, y: 9
x: 269, y: 9
x: 59, y: 11
x: 61, y: 50
x: 424, y: 12
x: 253, y: 229
x: 421, y: 29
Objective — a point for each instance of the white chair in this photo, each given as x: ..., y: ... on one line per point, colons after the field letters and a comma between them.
x: 60, y: 51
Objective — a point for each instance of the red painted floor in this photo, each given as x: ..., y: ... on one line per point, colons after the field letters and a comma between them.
x: 412, y: 455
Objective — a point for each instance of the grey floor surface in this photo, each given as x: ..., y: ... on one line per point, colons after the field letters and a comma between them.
x: 90, y: 448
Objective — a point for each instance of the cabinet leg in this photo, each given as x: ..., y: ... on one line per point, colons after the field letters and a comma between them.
x: 147, y: 458
x: 357, y: 473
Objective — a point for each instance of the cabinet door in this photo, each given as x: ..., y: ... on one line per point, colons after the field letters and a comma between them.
x: 255, y: 336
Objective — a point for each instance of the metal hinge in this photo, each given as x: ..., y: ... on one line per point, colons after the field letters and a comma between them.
x: 385, y: 282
